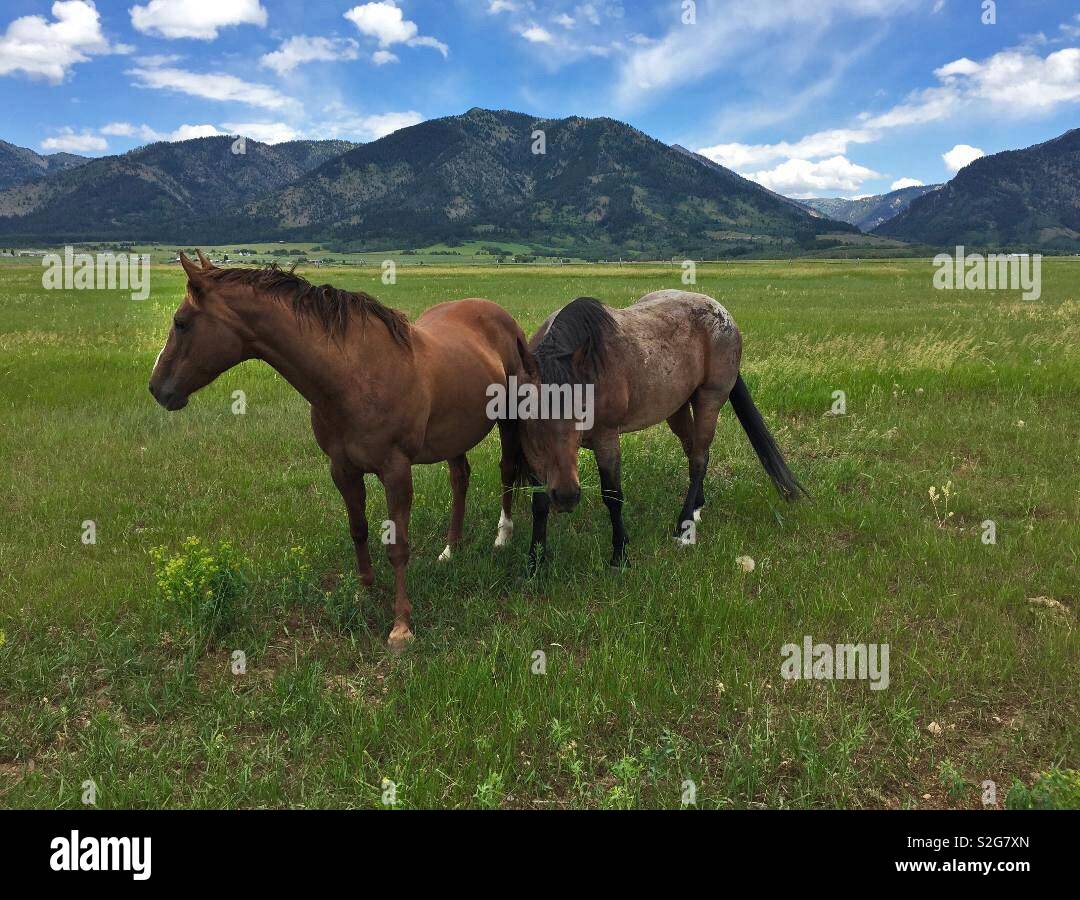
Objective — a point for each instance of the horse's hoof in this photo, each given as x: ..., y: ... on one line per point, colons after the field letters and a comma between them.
x: 401, y: 637
x: 367, y: 579
x: 445, y: 555
x: 506, y: 531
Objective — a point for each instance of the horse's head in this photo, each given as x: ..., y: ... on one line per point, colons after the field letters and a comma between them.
x: 551, y: 448
x: 551, y: 437
x: 207, y: 337
x: 566, y: 357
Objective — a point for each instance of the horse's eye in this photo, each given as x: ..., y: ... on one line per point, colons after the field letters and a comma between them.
x: 180, y: 324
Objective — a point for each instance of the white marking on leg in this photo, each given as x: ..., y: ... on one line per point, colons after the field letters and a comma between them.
x: 697, y: 514
x: 506, y: 529
x: 445, y: 555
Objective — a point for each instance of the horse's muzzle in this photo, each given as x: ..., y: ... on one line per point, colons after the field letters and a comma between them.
x: 564, y: 500
x: 171, y: 400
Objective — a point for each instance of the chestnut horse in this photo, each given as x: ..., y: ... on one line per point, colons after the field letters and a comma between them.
x: 673, y: 355
x: 385, y: 394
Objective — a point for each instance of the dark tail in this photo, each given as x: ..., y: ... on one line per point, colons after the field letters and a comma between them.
x: 764, y: 445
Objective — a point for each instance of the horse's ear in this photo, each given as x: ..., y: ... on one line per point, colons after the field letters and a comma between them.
x: 528, y: 361
x: 206, y: 264
x: 193, y: 271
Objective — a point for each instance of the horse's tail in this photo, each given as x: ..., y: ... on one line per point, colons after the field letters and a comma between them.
x: 762, y: 442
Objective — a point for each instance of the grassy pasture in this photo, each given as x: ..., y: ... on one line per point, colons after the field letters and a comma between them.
x: 666, y: 672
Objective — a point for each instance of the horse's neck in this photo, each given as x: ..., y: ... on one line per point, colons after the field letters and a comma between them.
x: 305, y: 357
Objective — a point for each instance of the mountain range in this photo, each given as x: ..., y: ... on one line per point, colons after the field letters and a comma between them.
x: 593, y: 188
x: 866, y: 213
x: 18, y: 164
x: 1019, y: 199
x: 163, y: 191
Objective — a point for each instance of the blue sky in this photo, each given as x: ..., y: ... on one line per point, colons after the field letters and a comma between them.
x: 808, y: 97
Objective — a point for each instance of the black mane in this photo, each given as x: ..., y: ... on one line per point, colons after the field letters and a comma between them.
x: 331, y: 307
x: 583, y: 324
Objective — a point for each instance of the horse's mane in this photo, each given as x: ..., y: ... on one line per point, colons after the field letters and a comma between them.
x: 330, y: 307
x: 583, y: 324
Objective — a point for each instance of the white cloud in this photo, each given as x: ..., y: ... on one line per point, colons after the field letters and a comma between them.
x: 576, y: 33
x: 534, y: 34
x: 146, y: 133
x: 212, y: 86
x: 498, y: 6
x: 831, y: 142
x: 960, y: 156
x: 1013, y: 83
x: 346, y: 124
x: 300, y: 49
x: 44, y: 49
x: 382, y: 57
x: 159, y: 59
x: 119, y: 129
x: 198, y: 19
x: 267, y: 132
x: 385, y: 22
x: 68, y: 141
x: 686, y: 53
x: 187, y: 132
x: 806, y: 178
x: 434, y: 43
x: 375, y: 127
x: 905, y: 183
x: 962, y: 66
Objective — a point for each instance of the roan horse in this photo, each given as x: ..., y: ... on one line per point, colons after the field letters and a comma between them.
x: 673, y: 355
x: 385, y: 394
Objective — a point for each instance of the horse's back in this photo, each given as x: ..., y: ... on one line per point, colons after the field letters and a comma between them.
x: 470, y: 323
x: 685, y: 308
x: 671, y: 343
x: 462, y: 347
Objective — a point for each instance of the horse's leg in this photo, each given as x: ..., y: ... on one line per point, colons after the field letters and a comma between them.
x: 397, y: 480
x: 459, y: 487
x: 541, y: 506
x: 608, y: 461
x: 350, y: 482
x: 682, y: 423
x: 510, y: 440
x: 706, y: 404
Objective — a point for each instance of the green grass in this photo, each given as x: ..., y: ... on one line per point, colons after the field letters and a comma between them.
x: 667, y: 672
